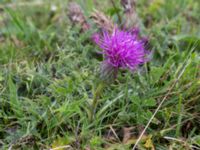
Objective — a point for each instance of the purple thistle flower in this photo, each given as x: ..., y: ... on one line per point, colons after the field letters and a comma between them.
x: 121, y: 49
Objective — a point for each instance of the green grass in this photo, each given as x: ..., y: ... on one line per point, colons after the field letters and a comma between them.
x: 49, y: 73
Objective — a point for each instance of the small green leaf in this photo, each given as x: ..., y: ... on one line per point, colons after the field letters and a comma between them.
x: 14, y: 101
x: 156, y: 73
x: 149, y: 102
x: 1, y: 78
x: 196, y: 140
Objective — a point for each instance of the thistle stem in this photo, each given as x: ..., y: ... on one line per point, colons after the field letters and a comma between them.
x: 95, y: 101
x: 126, y: 89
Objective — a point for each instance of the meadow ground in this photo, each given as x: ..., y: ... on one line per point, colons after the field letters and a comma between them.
x: 49, y: 71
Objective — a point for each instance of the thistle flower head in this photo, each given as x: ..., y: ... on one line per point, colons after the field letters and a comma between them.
x: 121, y: 49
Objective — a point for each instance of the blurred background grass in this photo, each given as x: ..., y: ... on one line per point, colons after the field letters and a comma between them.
x: 49, y: 71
